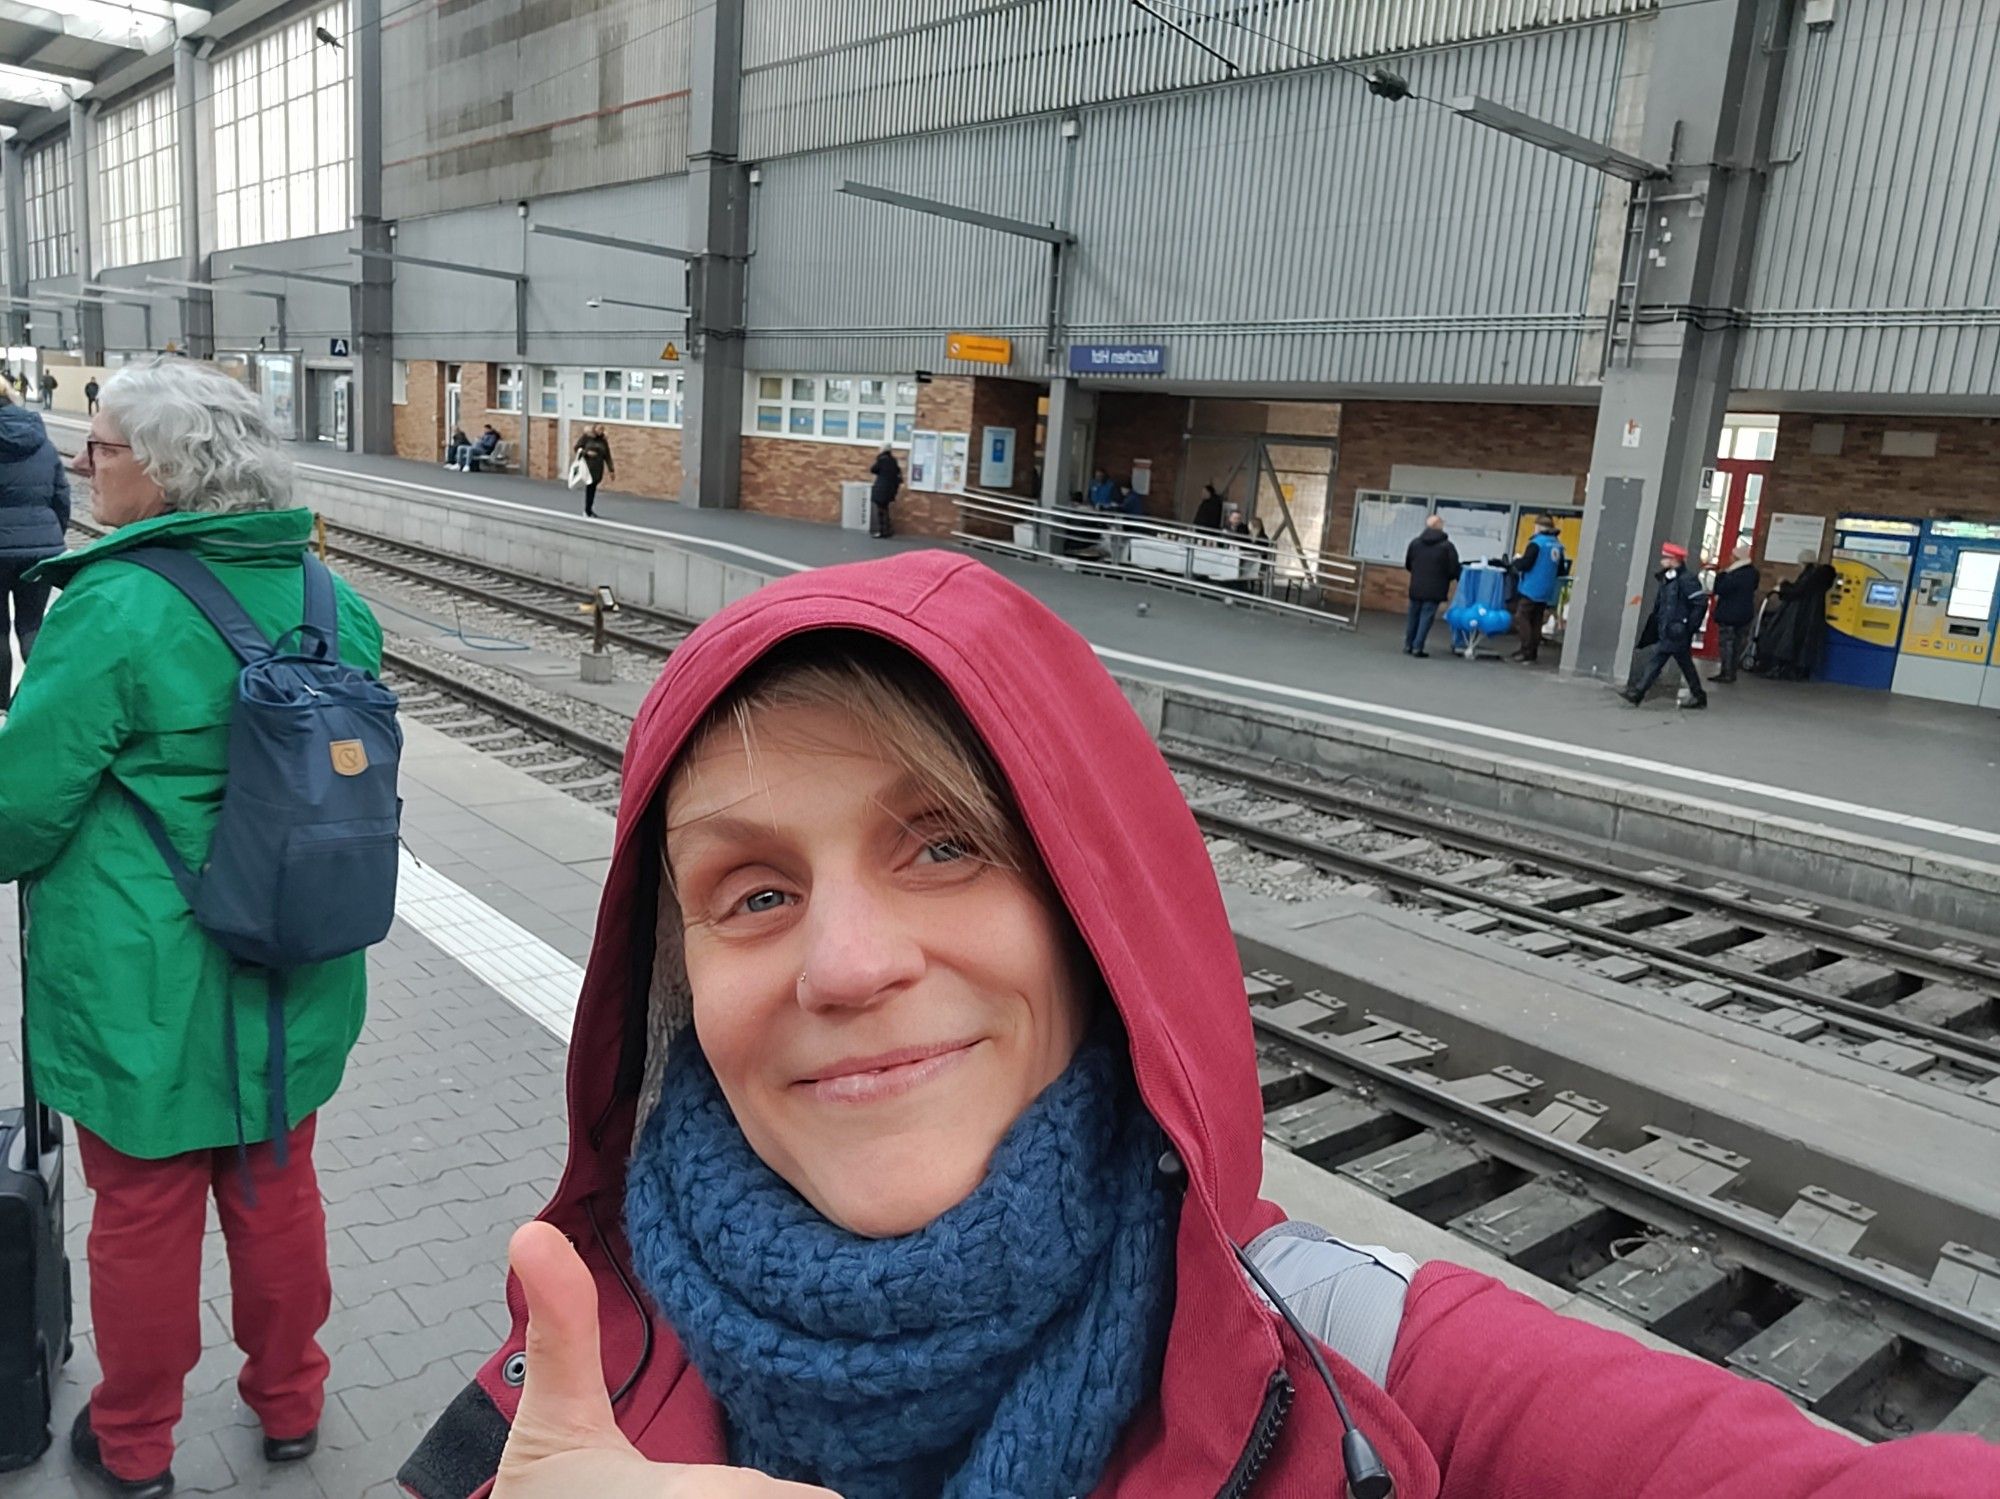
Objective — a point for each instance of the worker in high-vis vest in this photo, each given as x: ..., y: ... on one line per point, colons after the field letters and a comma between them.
x: 1539, y: 571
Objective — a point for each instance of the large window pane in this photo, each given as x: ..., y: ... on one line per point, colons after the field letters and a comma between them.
x: 283, y: 99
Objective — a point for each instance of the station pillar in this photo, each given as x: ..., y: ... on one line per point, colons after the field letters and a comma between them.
x: 1711, y: 98
x: 191, y: 95
x: 719, y: 193
x: 371, y: 304
x: 14, y: 187
x: 83, y: 264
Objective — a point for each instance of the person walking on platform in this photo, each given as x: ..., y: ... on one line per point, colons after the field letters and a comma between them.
x: 913, y: 1048
x: 594, y: 448
x: 1208, y: 511
x: 169, y: 1054
x: 888, y: 480
x: 34, y: 519
x: 90, y: 392
x: 1433, y: 566
x: 1678, y: 610
x: 1735, y: 611
x: 48, y: 390
x: 1539, y: 572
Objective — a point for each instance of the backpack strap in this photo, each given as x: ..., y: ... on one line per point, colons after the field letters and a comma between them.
x: 204, y: 590
x: 321, y: 618
x: 1348, y: 1296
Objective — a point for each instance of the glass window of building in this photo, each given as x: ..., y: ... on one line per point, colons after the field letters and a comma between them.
x: 283, y: 154
x: 139, y: 218
x: 507, y: 387
x: 45, y: 174
x: 646, y: 398
x: 832, y: 408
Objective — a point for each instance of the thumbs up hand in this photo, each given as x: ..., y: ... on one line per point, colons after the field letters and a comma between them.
x: 565, y: 1440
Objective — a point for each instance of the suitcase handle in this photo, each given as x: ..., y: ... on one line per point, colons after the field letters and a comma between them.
x: 39, y: 1126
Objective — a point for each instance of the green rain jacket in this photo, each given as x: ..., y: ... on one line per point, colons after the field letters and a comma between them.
x: 127, y: 999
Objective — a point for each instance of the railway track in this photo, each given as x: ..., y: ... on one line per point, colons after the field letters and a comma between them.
x: 648, y: 631
x: 1650, y: 1226
x: 1880, y: 995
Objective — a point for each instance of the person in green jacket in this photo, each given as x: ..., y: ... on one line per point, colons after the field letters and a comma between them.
x: 129, y: 1004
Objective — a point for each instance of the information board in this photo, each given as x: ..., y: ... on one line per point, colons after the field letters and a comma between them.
x: 1480, y: 529
x: 1794, y: 538
x: 923, y: 460
x: 1386, y: 524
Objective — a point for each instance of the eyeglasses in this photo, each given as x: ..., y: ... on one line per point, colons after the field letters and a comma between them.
x: 92, y: 445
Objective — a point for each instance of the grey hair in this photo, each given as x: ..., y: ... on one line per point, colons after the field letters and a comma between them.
x: 200, y: 435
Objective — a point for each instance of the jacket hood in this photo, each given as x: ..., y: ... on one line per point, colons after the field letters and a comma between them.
x: 22, y: 434
x: 238, y: 536
x: 1111, y: 826
x: 1433, y: 538
x: 1739, y: 564
x: 1122, y: 851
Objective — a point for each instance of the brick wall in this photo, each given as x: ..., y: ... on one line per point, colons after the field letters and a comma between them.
x: 800, y: 478
x: 1377, y: 435
x: 419, y: 421
x: 1009, y: 403
x: 648, y: 459
x: 1961, y: 482
x: 1136, y: 424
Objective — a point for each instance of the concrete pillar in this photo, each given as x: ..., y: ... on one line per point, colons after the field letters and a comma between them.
x: 14, y: 188
x: 191, y: 94
x: 83, y: 262
x: 372, y: 302
x: 1711, y: 99
x: 719, y: 190
x: 1069, y: 405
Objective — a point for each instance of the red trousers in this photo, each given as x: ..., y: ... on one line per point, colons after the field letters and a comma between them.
x: 145, y: 1290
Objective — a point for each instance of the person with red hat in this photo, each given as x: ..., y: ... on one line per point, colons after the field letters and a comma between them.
x: 1678, y: 610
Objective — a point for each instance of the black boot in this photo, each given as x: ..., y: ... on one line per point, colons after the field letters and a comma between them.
x: 291, y: 1449
x: 89, y: 1456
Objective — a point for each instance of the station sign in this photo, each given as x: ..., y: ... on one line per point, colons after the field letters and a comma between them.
x: 979, y: 348
x: 1117, y: 359
x: 337, y: 348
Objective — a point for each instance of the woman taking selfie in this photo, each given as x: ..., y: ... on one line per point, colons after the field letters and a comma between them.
x: 915, y: 1140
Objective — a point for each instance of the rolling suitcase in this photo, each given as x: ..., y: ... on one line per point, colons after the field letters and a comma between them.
x: 34, y: 1267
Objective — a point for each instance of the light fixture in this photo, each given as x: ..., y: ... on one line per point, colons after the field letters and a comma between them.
x: 1072, y: 127
x: 756, y: 176
x: 1579, y: 148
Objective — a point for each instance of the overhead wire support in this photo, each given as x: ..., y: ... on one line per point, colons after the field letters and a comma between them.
x: 1179, y: 30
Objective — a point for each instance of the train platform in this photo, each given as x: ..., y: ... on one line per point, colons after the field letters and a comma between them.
x: 1895, y: 768
x: 1892, y: 768
x: 449, y: 1131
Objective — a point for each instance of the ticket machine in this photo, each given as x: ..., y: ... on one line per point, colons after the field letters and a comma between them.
x: 1872, y: 559
x: 1948, y: 637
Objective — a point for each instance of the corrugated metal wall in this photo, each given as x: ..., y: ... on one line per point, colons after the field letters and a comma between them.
x: 1878, y: 264
x: 831, y: 72
x: 496, y: 101
x: 1291, y: 228
x: 314, y: 314
x: 442, y: 314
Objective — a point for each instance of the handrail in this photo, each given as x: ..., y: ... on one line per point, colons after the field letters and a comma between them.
x: 1241, y: 570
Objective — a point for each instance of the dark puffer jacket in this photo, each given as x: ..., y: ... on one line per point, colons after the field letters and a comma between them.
x: 34, y: 489
x: 1433, y: 566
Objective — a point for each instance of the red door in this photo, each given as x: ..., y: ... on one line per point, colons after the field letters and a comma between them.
x: 1731, y: 526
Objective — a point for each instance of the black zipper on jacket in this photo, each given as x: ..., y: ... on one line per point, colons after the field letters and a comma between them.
x: 1263, y: 1437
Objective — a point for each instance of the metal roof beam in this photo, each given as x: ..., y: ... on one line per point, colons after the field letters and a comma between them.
x: 1048, y: 234
x: 519, y: 278
x: 612, y: 241
x: 37, y: 89
x: 1580, y: 148
x: 140, y: 26
x: 262, y: 270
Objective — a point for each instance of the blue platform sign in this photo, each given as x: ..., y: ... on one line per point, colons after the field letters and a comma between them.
x: 1117, y: 359
x: 337, y: 348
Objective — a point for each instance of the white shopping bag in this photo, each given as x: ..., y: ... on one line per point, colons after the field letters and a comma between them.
x: 579, y: 472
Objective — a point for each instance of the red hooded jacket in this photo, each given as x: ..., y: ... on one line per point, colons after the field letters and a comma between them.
x: 1489, y: 1395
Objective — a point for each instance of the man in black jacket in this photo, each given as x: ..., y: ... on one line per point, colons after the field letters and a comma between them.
x: 888, y: 479
x: 1432, y: 562
x: 1677, y: 613
x: 1735, y: 608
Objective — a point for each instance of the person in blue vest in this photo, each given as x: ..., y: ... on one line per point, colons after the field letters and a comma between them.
x: 1678, y: 611
x: 1104, y: 492
x: 1538, y: 573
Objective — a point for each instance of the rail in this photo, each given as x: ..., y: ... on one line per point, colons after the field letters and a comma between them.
x: 1314, y: 586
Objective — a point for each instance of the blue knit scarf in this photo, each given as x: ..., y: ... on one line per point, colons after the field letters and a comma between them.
x: 999, y: 1351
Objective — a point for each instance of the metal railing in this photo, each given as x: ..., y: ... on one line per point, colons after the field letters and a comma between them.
x: 1234, y: 569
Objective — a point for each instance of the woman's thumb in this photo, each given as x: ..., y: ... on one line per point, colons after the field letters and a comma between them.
x: 564, y: 1403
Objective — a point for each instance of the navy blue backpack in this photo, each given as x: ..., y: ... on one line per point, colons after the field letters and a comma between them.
x: 302, y: 867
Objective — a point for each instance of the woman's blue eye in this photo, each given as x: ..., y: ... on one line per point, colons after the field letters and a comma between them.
x: 945, y: 850
x: 764, y: 900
